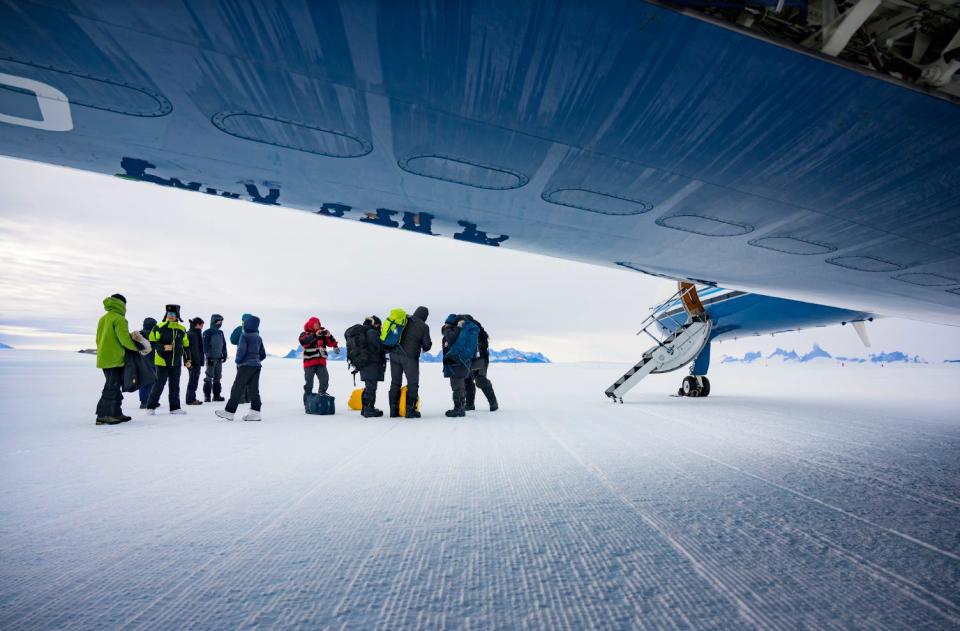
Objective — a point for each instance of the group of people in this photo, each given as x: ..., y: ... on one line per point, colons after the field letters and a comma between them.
x: 168, y: 346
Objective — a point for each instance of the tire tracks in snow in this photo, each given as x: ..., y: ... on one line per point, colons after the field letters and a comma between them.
x: 709, y: 574
x: 265, y: 525
x: 78, y: 578
x: 911, y: 589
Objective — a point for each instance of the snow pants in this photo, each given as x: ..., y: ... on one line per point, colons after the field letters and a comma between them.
x: 193, y: 382
x: 211, y: 378
x: 247, y: 381
x: 402, y: 366
x: 323, y: 379
x: 164, y: 374
x: 478, y: 379
x: 145, y: 390
x: 112, y: 397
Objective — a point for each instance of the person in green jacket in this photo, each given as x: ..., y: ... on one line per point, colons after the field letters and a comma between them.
x: 113, y: 338
x: 169, y: 339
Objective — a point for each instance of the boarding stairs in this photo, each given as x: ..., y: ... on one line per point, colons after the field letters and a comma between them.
x: 682, y: 344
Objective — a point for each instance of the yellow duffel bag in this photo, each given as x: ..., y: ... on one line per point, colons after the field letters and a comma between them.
x: 356, y: 400
x: 403, y: 402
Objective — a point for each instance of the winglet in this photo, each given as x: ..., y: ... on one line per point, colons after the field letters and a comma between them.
x: 861, y: 328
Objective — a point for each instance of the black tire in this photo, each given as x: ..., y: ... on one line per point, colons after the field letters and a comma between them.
x: 705, y: 390
x: 689, y: 387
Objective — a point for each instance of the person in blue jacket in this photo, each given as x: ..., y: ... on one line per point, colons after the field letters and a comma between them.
x: 250, y: 354
x: 453, y: 369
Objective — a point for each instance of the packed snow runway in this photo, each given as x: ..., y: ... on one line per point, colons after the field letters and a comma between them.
x: 791, y: 497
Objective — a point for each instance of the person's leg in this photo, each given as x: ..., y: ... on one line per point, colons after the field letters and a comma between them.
x: 308, y: 372
x: 239, y: 386
x: 154, y: 402
x: 106, y: 404
x: 370, y: 399
x: 174, y: 396
x: 486, y: 386
x: 254, y: 389
x: 471, y: 390
x: 458, y: 386
x: 118, y: 394
x: 396, y: 383
x: 323, y: 379
x: 208, y: 379
x: 217, y: 376
x: 145, y: 395
x: 412, y: 372
x: 193, y: 380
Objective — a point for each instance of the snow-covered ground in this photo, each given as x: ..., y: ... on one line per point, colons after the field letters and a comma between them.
x: 794, y: 496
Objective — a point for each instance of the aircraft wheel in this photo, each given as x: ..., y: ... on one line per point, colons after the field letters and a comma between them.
x: 705, y: 390
x: 689, y: 387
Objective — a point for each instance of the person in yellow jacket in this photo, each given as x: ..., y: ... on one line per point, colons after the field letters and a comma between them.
x: 112, y: 340
x: 169, y: 339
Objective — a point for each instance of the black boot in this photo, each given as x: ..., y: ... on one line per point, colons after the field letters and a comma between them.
x: 491, y: 396
x: 368, y: 411
x: 471, y: 395
x: 394, y: 404
x: 207, y: 387
x: 459, y: 403
x: 411, y: 410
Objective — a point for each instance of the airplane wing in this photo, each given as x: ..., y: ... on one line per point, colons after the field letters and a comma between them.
x: 624, y: 134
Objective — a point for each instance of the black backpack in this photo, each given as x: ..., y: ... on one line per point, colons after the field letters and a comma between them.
x: 358, y: 355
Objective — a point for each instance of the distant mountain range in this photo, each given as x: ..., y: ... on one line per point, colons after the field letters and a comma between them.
x: 506, y: 356
x: 5, y: 347
x: 817, y: 352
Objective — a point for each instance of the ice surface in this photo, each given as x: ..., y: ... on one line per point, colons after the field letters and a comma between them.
x: 791, y: 497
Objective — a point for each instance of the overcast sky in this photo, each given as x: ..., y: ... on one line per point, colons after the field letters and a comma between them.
x: 70, y: 238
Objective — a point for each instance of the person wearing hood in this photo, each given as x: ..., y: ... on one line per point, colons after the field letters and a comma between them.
x: 250, y: 355
x: 315, y: 340
x: 195, y: 335
x: 405, y: 361
x: 113, y: 340
x: 215, y: 351
x: 375, y: 370
x: 453, y: 369
x: 148, y: 324
x: 478, y: 372
x: 171, y: 347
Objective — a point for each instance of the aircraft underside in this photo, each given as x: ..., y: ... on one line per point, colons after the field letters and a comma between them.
x: 624, y: 134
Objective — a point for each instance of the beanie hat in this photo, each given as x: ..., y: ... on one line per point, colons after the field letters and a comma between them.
x: 195, y: 321
x: 120, y: 298
x: 174, y: 309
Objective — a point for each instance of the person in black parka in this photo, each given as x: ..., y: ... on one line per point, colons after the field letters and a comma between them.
x: 375, y: 369
x: 405, y: 361
x: 478, y: 371
x: 195, y: 333
x: 215, y: 352
x: 456, y: 372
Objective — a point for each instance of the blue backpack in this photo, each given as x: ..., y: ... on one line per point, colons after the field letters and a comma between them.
x: 465, y: 346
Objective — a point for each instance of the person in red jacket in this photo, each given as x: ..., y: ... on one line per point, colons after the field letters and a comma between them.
x: 315, y: 341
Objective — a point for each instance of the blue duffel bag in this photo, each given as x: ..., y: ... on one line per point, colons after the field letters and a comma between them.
x: 322, y: 404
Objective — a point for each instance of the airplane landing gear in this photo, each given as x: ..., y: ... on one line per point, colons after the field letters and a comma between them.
x: 694, y: 386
